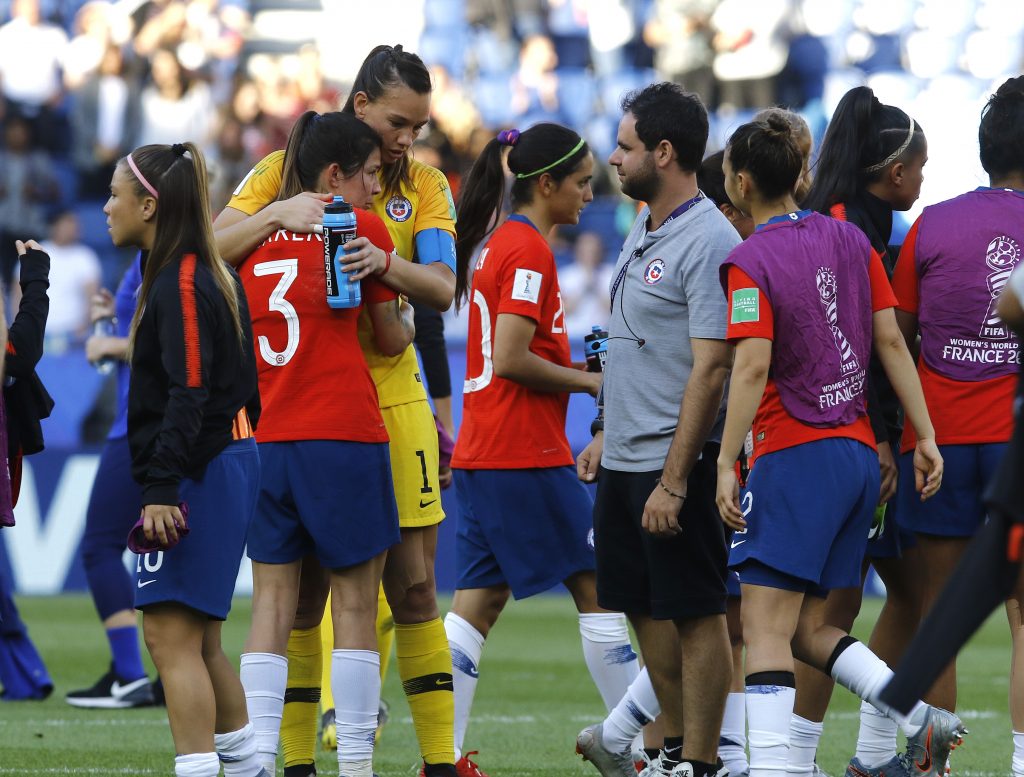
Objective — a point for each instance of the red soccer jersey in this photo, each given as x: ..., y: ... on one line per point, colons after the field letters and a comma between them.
x: 774, y: 429
x: 506, y: 425
x: 314, y: 382
x: 963, y: 413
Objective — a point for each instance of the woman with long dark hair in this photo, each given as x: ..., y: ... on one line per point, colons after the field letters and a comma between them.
x: 192, y: 404
x: 391, y: 93
x: 326, y: 514
x: 525, y: 524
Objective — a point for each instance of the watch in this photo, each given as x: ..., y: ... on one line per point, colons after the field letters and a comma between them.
x: 597, y: 425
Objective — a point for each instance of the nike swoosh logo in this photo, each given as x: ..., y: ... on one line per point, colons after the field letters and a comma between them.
x: 737, y: 544
x: 439, y: 683
x: 143, y: 585
x: 426, y: 504
x: 925, y: 764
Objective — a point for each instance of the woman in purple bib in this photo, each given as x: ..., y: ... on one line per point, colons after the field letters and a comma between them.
x: 969, y: 358
x: 870, y: 165
x: 808, y: 298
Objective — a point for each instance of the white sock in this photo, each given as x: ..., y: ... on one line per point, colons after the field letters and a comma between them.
x: 769, y: 710
x: 264, y: 677
x: 859, y: 670
x: 466, y: 644
x: 355, y: 680
x: 355, y: 769
x: 1018, y: 754
x: 638, y: 707
x: 196, y: 765
x: 608, y: 654
x: 237, y: 752
x: 876, y: 740
x: 803, y: 744
x: 732, y: 747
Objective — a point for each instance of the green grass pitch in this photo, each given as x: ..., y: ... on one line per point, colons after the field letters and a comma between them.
x: 534, y: 695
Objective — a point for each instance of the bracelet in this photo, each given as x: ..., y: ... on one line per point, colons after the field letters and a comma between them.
x: 668, y: 491
x: 387, y: 265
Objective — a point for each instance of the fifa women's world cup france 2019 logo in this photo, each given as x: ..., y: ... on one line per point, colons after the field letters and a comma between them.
x: 1002, y: 255
x: 827, y: 294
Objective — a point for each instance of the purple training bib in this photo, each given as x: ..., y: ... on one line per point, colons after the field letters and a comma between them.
x: 814, y: 271
x: 965, y: 251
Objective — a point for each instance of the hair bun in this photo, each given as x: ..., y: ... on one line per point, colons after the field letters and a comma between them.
x: 508, y: 137
x: 777, y: 125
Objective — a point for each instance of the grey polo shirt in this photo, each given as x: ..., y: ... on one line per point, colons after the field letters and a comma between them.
x: 669, y: 292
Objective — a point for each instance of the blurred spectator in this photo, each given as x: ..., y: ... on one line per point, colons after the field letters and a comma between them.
x: 680, y: 34
x: 28, y: 183
x: 228, y: 163
x: 75, y: 275
x: 313, y: 91
x: 175, y: 106
x: 451, y: 110
x: 31, y: 54
x: 584, y: 286
x: 92, y: 35
x: 535, y: 83
x: 106, y: 121
x: 751, y: 46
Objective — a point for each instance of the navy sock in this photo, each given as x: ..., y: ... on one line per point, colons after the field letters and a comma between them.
x: 124, y: 647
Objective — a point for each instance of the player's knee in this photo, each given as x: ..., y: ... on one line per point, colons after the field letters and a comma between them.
x: 419, y: 604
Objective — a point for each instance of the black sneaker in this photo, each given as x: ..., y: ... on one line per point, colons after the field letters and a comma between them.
x: 113, y: 693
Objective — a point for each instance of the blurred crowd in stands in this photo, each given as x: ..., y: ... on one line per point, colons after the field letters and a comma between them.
x: 85, y: 81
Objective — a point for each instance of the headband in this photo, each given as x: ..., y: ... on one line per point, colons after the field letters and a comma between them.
x: 508, y: 137
x: 557, y: 162
x: 895, y: 154
x: 142, y: 179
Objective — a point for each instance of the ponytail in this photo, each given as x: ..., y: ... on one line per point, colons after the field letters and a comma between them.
x: 481, y: 199
x: 1001, y: 132
x: 544, y: 149
x: 862, y: 140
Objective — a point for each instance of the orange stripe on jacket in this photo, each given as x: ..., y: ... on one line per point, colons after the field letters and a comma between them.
x: 190, y: 318
x: 241, y: 429
x: 838, y: 211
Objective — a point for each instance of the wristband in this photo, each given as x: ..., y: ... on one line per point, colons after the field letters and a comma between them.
x: 668, y: 491
x: 387, y: 265
x: 597, y: 425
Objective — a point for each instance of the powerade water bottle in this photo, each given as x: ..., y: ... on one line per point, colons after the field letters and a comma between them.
x: 595, y: 346
x: 104, y: 327
x: 339, y: 229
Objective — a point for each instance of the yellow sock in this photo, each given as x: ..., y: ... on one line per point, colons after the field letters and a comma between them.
x: 385, y: 632
x: 298, y: 724
x: 425, y: 665
x: 327, y: 646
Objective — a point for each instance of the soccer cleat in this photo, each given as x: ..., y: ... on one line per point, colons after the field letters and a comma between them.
x: 659, y: 768
x: 296, y: 770
x: 113, y: 693
x: 928, y: 750
x: 328, y: 730
x: 590, y: 745
x: 464, y: 767
x: 897, y: 766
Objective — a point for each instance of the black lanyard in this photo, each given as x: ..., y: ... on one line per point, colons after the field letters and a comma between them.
x: 639, y: 251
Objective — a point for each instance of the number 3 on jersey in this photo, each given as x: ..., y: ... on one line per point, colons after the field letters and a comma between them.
x: 288, y: 269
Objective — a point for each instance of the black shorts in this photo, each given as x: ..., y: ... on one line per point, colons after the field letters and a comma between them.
x: 677, y: 578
